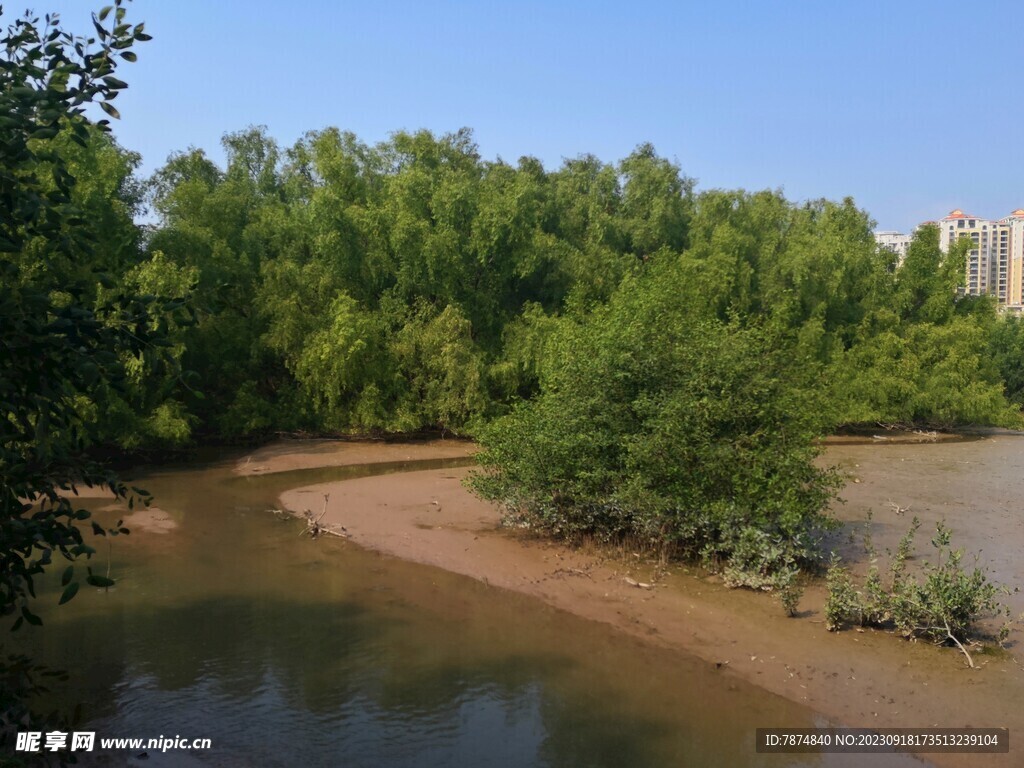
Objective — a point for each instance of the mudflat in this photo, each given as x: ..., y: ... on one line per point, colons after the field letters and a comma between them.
x: 857, y: 678
x: 286, y: 455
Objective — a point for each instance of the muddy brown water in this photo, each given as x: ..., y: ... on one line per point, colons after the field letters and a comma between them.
x: 227, y: 624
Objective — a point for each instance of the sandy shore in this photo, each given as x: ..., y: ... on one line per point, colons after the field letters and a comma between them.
x: 286, y: 455
x: 864, y: 679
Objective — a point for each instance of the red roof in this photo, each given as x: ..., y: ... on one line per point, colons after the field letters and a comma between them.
x: 958, y: 214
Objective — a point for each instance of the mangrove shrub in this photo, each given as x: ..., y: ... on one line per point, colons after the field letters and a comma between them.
x: 656, y: 419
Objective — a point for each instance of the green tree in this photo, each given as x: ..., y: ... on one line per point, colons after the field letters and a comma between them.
x: 56, y: 344
x: 222, y: 227
x: 61, y: 339
x: 920, y: 354
x: 336, y: 364
x: 656, y: 419
x: 1008, y: 354
x: 657, y: 202
x: 441, y: 370
x: 294, y: 252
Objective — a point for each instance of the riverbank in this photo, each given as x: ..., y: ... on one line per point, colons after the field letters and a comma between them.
x: 288, y: 455
x: 854, y: 678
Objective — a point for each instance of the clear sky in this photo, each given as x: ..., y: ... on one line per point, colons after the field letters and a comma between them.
x: 912, y: 108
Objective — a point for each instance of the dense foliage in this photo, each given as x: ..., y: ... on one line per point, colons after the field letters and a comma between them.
x: 683, y: 411
x: 73, y: 339
x: 69, y: 333
x: 394, y: 287
x: 413, y: 285
x: 659, y: 421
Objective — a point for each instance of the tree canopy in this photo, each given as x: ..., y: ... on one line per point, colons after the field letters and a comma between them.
x: 69, y: 333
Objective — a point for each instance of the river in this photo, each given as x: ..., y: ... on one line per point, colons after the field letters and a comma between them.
x: 226, y: 623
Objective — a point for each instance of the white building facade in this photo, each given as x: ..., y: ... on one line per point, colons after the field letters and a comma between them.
x: 896, y: 242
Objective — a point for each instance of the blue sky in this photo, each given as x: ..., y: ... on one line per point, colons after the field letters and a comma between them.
x: 912, y: 108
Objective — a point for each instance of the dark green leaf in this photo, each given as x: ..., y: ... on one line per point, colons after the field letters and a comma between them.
x: 69, y: 592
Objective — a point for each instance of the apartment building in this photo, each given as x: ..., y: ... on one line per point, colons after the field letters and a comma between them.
x: 995, y: 265
x: 896, y: 242
x: 1015, y: 289
x: 988, y: 262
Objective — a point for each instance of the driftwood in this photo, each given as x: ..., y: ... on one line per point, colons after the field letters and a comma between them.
x: 635, y: 583
x: 313, y: 528
x: 571, y: 572
x: 897, y: 508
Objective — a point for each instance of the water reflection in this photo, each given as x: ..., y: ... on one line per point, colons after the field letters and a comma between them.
x: 286, y: 652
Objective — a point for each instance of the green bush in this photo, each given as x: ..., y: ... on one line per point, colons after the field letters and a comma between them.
x: 949, y: 598
x: 843, y: 605
x: 657, y: 420
x: 942, y: 603
x: 789, y: 594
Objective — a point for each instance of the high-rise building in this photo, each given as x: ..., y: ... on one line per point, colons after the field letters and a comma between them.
x: 988, y: 262
x: 1015, y: 288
